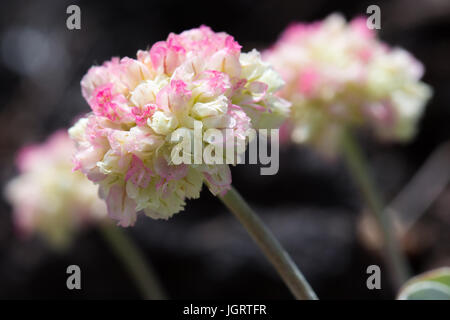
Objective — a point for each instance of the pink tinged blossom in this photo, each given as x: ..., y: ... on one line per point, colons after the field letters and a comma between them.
x: 168, y: 173
x: 47, y: 197
x: 258, y: 90
x: 339, y: 74
x: 365, y: 54
x: 120, y: 207
x: 138, y: 173
x: 198, y: 77
x: 124, y: 75
x: 308, y: 81
x: 97, y: 76
x: 232, y: 46
x: 166, y: 56
x: 178, y: 95
x: 241, y: 123
x: 141, y: 115
x: 87, y: 158
x: 105, y: 104
x: 219, y: 179
x: 359, y: 25
x: 128, y: 74
x: 217, y: 82
x: 34, y: 156
x: 24, y: 158
x: 381, y: 112
x: 239, y: 85
x: 173, y: 97
x: 257, y: 94
x: 285, y: 132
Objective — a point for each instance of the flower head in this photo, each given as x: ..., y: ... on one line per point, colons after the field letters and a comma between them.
x: 49, y: 198
x: 339, y: 74
x: 140, y: 107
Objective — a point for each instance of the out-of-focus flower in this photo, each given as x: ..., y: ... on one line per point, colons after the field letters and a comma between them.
x: 47, y: 197
x: 340, y: 74
x: 197, y: 79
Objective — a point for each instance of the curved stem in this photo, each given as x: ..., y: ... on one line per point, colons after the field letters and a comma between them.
x: 359, y: 170
x: 273, y: 250
x: 134, y: 261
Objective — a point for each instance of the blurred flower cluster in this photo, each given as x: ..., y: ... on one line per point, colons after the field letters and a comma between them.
x: 48, y: 197
x: 140, y: 107
x: 338, y: 75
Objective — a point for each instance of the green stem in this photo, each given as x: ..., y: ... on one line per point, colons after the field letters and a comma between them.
x: 134, y: 261
x: 273, y: 250
x: 359, y: 170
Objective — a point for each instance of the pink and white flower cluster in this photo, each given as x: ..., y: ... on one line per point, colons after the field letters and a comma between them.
x: 199, y: 78
x: 339, y: 74
x: 47, y: 197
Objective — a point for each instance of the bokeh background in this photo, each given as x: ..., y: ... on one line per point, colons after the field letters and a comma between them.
x: 311, y: 204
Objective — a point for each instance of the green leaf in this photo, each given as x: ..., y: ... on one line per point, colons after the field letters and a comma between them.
x: 432, y: 285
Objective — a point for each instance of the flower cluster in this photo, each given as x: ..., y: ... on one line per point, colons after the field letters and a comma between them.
x: 198, y: 78
x: 340, y: 74
x: 47, y: 197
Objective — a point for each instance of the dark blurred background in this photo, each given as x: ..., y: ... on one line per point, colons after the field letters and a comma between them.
x: 311, y: 204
